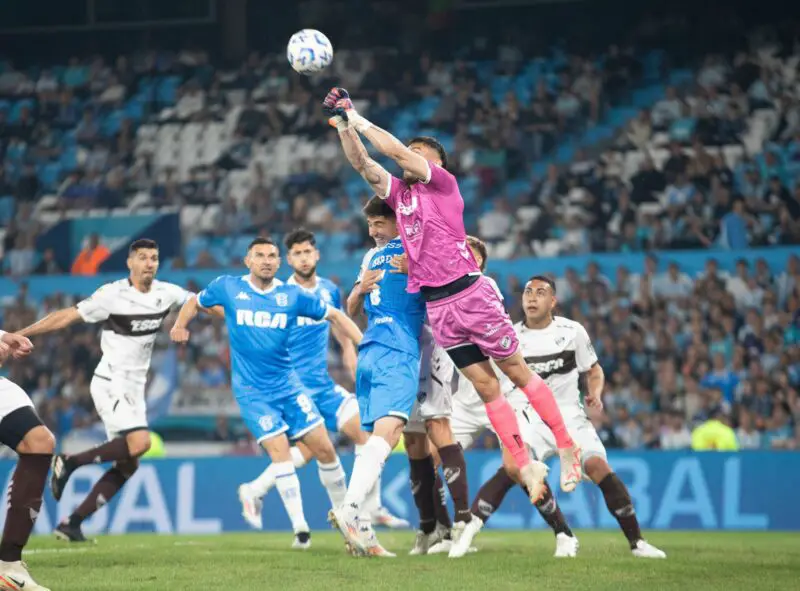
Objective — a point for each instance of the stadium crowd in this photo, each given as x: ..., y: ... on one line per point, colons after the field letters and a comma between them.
x: 677, y: 350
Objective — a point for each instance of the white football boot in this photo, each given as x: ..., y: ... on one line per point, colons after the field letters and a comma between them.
x: 14, y: 576
x: 645, y: 550
x: 251, y: 506
x: 463, y: 534
x: 566, y: 546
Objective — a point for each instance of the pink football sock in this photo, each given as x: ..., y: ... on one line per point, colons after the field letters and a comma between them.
x: 504, y: 421
x: 543, y: 402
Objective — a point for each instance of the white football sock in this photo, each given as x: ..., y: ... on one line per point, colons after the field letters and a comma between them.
x: 288, y: 486
x: 366, y: 470
x: 266, y: 480
x: 334, y: 480
x: 297, y: 457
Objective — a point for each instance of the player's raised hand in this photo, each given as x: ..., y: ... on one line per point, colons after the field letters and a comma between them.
x: 179, y: 335
x: 18, y: 346
x: 337, y: 102
x: 369, y: 281
x: 399, y: 263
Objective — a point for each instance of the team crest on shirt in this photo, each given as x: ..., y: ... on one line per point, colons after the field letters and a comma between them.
x: 282, y: 299
x: 265, y: 423
x: 421, y: 396
x: 158, y: 302
x: 326, y: 295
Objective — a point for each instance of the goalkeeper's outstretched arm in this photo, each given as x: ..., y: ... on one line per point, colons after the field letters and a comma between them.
x: 347, y: 120
x: 372, y: 172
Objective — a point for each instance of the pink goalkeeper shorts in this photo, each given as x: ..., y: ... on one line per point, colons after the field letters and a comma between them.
x: 476, y: 315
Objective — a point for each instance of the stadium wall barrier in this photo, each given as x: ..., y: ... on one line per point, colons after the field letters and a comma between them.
x: 671, y: 490
x: 691, y: 262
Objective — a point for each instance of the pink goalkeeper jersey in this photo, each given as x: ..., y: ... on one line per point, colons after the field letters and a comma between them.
x: 430, y: 218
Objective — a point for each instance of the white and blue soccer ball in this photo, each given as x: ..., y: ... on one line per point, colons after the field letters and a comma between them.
x: 309, y: 52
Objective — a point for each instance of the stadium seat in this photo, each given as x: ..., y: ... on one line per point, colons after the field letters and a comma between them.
x: 7, y: 205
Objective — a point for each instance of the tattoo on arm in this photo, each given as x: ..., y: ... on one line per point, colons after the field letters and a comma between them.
x: 372, y: 172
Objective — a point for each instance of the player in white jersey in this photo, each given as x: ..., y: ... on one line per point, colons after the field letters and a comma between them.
x: 22, y: 430
x: 559, y: 350
x: 132, y: 311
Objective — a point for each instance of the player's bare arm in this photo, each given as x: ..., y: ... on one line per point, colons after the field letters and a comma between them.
x: 338, y: 104
x: 349, y: 355
x: 595, y: 382
x: 340, y: 321
x: 372, y: 172
x: 368, y: 283
x: 52, y: 322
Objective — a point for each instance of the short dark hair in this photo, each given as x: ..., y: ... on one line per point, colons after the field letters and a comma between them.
x: 544, y: 279
x: 299, y: 236
x: 260, y: 240
x: 137, y: 245
x: 431, y: 142
x: 378, y: 208
x: 480, y: 246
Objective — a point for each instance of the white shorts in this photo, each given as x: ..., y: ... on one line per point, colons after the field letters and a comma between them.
x: 469, y: 420
x: 120, y: 401
x: 542, y: 441
x: 12, y: 397
x: 435, y: 394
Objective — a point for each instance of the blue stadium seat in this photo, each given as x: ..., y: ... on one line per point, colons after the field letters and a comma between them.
x: 194, y: 247
x: 6, y: 209
x: 112, y: 122
x: 50, y: 175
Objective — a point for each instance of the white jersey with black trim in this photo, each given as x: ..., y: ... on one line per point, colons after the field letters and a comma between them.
x: 558, y: 353
x: 131, y: 320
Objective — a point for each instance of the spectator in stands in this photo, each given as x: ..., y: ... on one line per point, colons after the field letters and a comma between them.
x: 715, y: 434
x: 91, y: 257
x: 48, y: 265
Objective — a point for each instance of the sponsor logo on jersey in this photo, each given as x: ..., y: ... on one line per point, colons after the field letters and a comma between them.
x: 408, y: 209
x: 261, y: 319
x: 547, y: 365
x: 242, y: 296
x: 145, y: 325
x: 412, y: 230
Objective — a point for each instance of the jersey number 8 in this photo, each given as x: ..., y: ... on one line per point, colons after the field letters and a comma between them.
x: 375, y: 296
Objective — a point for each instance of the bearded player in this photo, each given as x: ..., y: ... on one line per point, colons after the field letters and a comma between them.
x: 467, y: 316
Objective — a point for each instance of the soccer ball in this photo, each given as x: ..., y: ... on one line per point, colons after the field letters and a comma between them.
x: 309, y: 52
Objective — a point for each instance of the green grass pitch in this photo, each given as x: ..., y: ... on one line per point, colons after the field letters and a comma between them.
x: 506, y: 561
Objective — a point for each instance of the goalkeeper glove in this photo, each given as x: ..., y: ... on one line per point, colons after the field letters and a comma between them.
x: 337, y: 103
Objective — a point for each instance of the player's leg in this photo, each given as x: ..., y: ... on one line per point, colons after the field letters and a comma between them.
x: 350, y: 425
x: 288, y: 485
x: 106, y: 488
x: 331, y: 472
x: 620, y: 505
x: 495, y: 489
x: 501, y: 416
x: 120, y: 405
x: 120, y: 402
x: 268, y: 421
x: 423, y: 489
x: 544, y: 404
x: 264, y: 482
x: 22, y: 430
x: 386, y: 386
